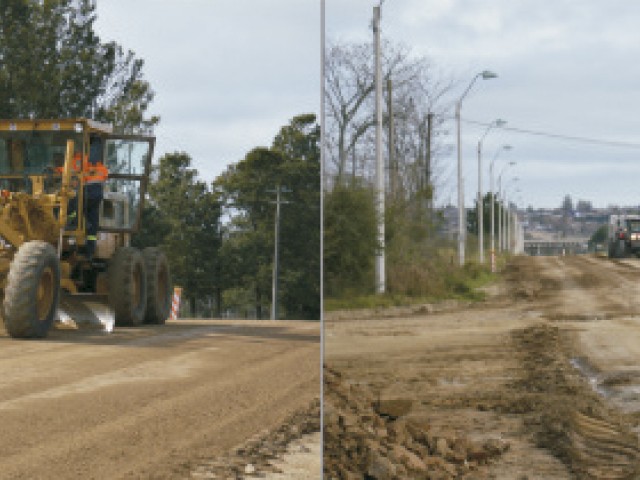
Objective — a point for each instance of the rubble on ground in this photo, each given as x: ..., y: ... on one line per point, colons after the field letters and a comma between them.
x: 365, y: 438
x: 256, y: 456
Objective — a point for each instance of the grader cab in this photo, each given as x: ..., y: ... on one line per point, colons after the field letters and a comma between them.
x: 48, y: 271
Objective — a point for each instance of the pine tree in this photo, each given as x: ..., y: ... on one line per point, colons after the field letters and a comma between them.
x: 53, y: 64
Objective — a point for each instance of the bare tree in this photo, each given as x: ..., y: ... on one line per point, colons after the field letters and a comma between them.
x: 349, y: 84
x: 418, y: 93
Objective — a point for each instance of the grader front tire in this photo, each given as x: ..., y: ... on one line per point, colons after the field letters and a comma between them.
x: 127, y: 287
x: 158, y: 286
x: 33, y: 291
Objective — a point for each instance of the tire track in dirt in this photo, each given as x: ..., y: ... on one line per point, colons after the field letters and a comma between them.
x: 568, y: 416
x: 564, y: 412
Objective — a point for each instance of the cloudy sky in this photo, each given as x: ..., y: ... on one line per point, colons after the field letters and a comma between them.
x: 565, y: 67
x: 227, y: 73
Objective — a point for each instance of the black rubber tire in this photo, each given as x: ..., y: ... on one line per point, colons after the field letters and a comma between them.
x: 127, y: 287
x: 33, y: 291
x: 158, y: 286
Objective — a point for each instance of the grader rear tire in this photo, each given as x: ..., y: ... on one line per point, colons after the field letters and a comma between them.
x: 158, y: 286
x: 33, y: 291
x: 127, y: 287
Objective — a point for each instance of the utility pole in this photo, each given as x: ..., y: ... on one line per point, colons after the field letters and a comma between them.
x: 276, y: 255
x: 380, y: 177
x: 480, y: 216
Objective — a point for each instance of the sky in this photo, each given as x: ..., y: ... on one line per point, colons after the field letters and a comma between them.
x: 227, y: 74
x: 565, y: 67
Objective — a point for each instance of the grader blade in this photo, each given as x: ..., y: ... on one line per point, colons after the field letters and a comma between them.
x: 86, y: 310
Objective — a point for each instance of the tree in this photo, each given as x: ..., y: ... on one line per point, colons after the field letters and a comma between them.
x: 350, y: 240
x: 417, y: 98
x: 298, y: 142
x: 248, y: 189
x: 52, y: 64
x: 472, y: 215
x: 600, y: 236
x: 184, y: 217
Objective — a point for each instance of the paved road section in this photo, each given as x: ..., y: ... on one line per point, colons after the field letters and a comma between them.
x: 148, y: 402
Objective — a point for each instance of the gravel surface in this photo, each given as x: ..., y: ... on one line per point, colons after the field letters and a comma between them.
x: 150, y: 402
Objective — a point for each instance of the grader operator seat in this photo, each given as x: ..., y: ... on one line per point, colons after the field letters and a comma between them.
x: 45, y: 171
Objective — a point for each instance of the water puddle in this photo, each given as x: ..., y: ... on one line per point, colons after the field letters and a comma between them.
x: 620, y: 388
x: 590, y: 374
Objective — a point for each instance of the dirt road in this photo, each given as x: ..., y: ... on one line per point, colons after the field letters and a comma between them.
x: 540, y: 381
x: 156, y: 402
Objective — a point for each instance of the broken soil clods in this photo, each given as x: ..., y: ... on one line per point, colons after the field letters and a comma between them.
x: 369, y: 439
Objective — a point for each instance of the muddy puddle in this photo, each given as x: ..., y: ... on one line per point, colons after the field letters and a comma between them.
x: 621, y: 389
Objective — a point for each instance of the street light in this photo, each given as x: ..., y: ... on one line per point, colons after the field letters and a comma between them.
x: 506, y: 232
x: 518, y: 238
x: 485, y: 75
x: 493, y: 201
x: 496, y: 123
x: 512, y: 224
x: 500, y: 206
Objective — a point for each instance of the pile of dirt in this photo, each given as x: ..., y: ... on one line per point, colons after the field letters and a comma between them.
x: 258, y: 455
x: 365, y: 438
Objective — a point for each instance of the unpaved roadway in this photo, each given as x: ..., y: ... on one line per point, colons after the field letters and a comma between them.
x: 540, y: 381
x: 156, y: 402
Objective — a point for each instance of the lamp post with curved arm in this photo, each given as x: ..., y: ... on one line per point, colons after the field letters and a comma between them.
x: 485, y: 75
x: 501, y: 205
x: 512, y: 223
x: 496, y: 123
x: 493, y: 202
x: 505, y: 241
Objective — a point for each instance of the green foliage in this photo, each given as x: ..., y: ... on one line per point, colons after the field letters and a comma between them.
x: 52, y: 64
x: 248, y: 189
x: 349, y: 240
x: 472, y: 215
x: 419, y: 263
x: 430, y: 282
x: 601, y: 235
x: 184, y: 218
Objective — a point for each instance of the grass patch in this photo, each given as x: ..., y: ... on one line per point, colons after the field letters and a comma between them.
x: 421, y: 285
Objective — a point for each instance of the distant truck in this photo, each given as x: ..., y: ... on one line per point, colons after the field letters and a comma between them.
x: 624, y: 236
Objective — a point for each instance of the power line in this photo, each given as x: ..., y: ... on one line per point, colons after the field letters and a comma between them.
x: 558, y: 136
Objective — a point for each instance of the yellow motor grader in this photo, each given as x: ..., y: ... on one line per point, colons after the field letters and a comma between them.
x: 48, y: 272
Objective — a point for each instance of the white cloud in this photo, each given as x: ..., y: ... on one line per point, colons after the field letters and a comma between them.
x: 227, y: 73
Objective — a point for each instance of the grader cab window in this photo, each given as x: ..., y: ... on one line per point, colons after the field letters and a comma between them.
x: 33, y: 153
x: 128, y: 160
x: 633, y: 226
x: 25, y: 153
x: 127, y: 157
